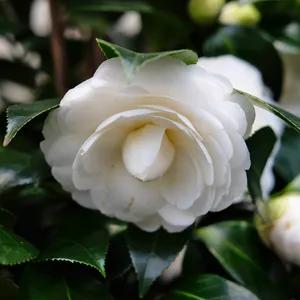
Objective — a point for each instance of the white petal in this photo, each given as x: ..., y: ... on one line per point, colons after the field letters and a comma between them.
x: 151, y: 223
x: 84, y: 199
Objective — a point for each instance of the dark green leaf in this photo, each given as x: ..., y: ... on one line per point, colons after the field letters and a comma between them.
x: 287, y: 117
x: 108, y: 6
x: 210, y: 287
x: 133, y: 61
x: 20, y: 114
x: 14, y: 169
x: 152, y: 253
x: 251, y: 45
x: 260, y: 146
x: 287, y: 163
x: 8, y: 289
x: 237, y: 247
x: 90, y: 250
x: 7, y: 219
x: 40, y: 283
x: 14, y: 249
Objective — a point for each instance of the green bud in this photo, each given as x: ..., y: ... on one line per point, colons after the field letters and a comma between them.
x: 205, y: 11
x: 235, y: 14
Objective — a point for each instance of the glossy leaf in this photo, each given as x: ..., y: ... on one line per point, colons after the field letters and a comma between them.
x: 8, y: 289
x: 14, y: 249
x: 40, y: 282
x: 19, y: 115
x: 235, y: 244
x: 286, y: 116
x: 133, y: 61
x: 89, y: 249
x: 152, y: 253
x: 287, y: 163
x: 252, y: 45
x: 210, y: 287
x: 266, y: 140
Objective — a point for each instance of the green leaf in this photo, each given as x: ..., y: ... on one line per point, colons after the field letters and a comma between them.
x: 7, y: 219
x: 108, y: 6
x: 237, y: 247
x: 152, y: 253
x: 260, y: 146
x: 287, y: 163
x: 210, y: 287
x: 8, y: 289
x: 89, y: 249
x: 134, y: 61
x: 14, y: 169
x: 14, y: 249
x: 252, y: 45
x: 46, y: 283
x: 287, y: 117
x: 19, y: 115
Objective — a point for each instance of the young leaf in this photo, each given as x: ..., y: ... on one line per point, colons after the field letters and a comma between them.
x: 287, y: 117
x: 19, y: 115
x: 88, y: 249
x: 152, y: 253
x: 236, y: 245
x: 134, y: 61
x: 8, y: 289
x: 260, y: 146
x: 14, y: 249
x: 210, y: 287
x: 42, y: 282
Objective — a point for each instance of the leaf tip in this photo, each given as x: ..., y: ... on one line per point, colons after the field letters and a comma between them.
x: 6, y: 142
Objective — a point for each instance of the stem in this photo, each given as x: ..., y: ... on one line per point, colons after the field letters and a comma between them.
x: 58, y: 47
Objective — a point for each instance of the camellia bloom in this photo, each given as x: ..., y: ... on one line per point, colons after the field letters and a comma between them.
x: 160, y: 151
x: 280, y: 227
x: 247, y: 78
x: 40, y: 18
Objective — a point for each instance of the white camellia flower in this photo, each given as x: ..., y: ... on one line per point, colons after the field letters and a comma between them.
x: 281, y: 227
x: 247, y: 78
x: 129, y: 24
x: 161, y: 151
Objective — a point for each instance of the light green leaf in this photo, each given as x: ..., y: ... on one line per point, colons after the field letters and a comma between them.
x: 134, y: 61
x: 210, y: 287
x: 286, y: 116
x: 8, y: 289
x: 42, y: 283
x: 260, y: 146
x: 237, y: 247
x: 152, y: 253
x: 89, y: 249
x: 19, y: 115
x: 14, y: 249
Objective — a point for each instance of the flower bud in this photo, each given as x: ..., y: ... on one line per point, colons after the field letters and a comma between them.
x: 279, y: 228
x: 204, y: 11
x: 235, y: 14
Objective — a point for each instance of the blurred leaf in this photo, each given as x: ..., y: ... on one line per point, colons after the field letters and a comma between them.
x: 210, y: 287
x: 260, y: 146
x: 287, y: 163
x: 108, y: 6
x: 133, y: 61
x: 14, y: 249
x: 253, y: 46
x: 20, y: 114
x: 18, y: 72
x: 236, y: 245
x: 8, y: 289
x: 284, y: 115
x: 7, y: 219
x: 38, y: 282
x: 88, y: 249
x: 14, y: 169
x: 152, y: 253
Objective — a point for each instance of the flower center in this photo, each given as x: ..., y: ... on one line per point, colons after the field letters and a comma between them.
x: 148, y: 153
